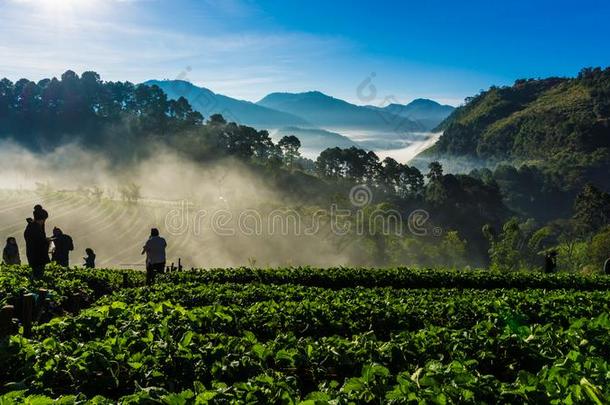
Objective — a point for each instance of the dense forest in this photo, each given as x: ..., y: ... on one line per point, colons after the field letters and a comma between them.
x: 548, y: 190
x: 112, y: 115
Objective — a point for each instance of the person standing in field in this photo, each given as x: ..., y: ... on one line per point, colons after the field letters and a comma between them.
x: 36, y: 242
x: 89, y: 259
x: 155, y: 255
x: 10, y: 254
x: 550, y: 262
x: 63, y: 246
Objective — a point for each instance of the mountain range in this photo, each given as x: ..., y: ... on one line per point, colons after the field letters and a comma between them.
x: 328, y: 112
x: 243, y: 112
x: 319, y: 118
x: 427, y: 113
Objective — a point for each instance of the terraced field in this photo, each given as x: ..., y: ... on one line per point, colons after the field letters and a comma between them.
x: 116, y: 230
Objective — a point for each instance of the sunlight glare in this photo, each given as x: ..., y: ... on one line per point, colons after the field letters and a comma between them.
x: 63, y: 14
x: 66, y: 5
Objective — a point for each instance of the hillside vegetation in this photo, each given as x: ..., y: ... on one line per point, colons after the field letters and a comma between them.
x: 560, y: 124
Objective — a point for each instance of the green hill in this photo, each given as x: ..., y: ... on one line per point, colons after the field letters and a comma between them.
x: 557, y: 123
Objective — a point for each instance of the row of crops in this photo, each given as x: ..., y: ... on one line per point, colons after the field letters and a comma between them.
x: 62, y: 283
x: 316, y: 336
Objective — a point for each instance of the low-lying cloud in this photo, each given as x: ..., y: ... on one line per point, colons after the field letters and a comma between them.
x: 86, y: 195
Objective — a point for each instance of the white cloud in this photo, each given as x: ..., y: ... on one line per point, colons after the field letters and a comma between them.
x: 230, y: 46
x: 121, y: 44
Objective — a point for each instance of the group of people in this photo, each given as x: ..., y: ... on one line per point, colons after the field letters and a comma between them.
x: 38, y: 246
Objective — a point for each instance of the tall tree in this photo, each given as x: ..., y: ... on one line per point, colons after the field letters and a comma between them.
x: 435, y: 171
x: 290, y: 145
x: 592, y: 208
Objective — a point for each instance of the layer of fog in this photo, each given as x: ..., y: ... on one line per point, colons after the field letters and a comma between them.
x: 85, y: 194
x: 406, y: 147
x: 406, y: 154
x: 401, y: 146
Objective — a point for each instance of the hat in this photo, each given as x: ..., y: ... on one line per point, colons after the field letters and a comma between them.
x: 40, y: 213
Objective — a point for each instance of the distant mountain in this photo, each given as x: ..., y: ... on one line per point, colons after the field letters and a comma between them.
x: 243, y: 112
x: 332, y: 113
x: 429, y: 113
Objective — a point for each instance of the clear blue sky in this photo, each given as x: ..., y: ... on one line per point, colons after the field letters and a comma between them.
x: 444, y: 50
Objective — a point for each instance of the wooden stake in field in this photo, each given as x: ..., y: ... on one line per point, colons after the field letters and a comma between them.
x: 6, y: 320
x: 28, y: 310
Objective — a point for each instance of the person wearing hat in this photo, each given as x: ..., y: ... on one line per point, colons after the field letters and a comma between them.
x: 41, y: 212
x: 36, y: 242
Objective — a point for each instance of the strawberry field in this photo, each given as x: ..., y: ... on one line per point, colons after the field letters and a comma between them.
x: 311, y: 336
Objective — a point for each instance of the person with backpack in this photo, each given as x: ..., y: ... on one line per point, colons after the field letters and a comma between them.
x: 63, y: 246
x: 89, y: 259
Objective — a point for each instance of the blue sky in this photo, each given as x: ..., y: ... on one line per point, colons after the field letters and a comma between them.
x: 444, y: 50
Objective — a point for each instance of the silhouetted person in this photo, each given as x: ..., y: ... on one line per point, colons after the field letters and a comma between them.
x: 550, y: 262
x: 36, y: 242
x: 42, y: 213
x: 10, y: 254
x: 607, y: 267
x: 89, y: 259
x: 155, y: 255
x: 63, y: 246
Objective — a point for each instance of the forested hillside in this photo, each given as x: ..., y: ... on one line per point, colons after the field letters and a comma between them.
x: 560, y: 124
x: 120, y: 119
